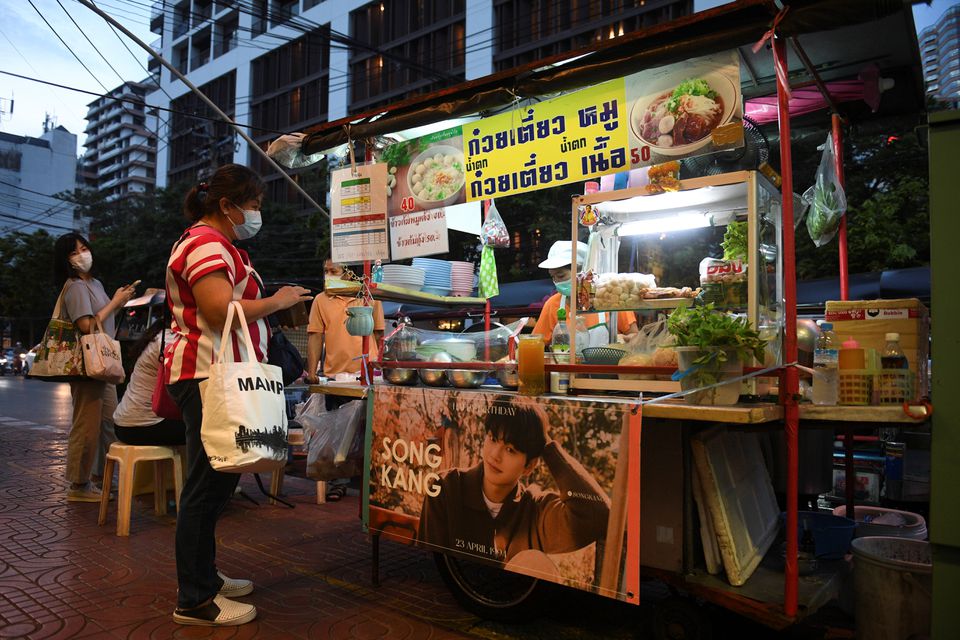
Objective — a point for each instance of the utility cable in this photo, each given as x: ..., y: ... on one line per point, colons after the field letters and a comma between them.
x: 42, y: 17
x: 84, y: 34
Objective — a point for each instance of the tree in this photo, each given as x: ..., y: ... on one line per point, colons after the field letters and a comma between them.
x: 27, y: 290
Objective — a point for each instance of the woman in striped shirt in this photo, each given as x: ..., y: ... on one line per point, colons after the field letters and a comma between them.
x: 204, y: 274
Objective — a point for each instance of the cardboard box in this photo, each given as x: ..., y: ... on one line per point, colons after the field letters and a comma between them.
x: 868, y: 322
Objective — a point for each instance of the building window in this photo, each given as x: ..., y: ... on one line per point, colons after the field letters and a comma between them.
x: 198, y: 144
x: 10, y: 160
x: 181, y: 18
x: 180, y: 57
x: 202, y: 11
x: 283, y: 10
x: 530, y: 30
x: 227, y: 29
x: 259, y: 17
x: 408, y: 47
x: 200, y: 49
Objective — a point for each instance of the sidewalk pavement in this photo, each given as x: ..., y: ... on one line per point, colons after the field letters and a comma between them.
x: 62, y: 576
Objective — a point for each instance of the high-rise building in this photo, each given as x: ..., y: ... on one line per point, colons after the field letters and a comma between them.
x: 284, y: 65
x: 121, y: 156
x: 940, y: 52
x: 32, y: 172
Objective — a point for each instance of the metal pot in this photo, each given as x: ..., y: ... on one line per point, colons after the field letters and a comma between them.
x: 466, y: 378
x: 400, y: 376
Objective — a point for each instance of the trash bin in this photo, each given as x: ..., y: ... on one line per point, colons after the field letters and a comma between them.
x: 893, y: 583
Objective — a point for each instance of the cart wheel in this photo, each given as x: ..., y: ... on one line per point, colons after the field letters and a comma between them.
x: 490, y: 592
x: 678, y: 618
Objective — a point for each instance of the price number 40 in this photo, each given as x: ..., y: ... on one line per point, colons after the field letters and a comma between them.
x: 407, y: 204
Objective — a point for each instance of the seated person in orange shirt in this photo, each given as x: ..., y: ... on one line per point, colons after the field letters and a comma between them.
x: 557, y: 265
x: 327, y: 334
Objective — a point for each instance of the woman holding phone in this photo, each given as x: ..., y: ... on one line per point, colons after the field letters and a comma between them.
x: 87, y: 304
x: 205, y: 273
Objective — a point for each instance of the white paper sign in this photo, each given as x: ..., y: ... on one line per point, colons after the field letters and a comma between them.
x: 418, y: 233
x: 358, y: 214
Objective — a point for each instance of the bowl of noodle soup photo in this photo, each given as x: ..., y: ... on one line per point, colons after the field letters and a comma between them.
x: 436, y: 176
x: 679, y: 119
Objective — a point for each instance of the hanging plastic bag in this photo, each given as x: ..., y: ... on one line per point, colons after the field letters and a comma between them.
x: 652, y: 346
x: 494, y: 233
x: 334, y: 441
x: 826, y: 199
x: 287, y: 150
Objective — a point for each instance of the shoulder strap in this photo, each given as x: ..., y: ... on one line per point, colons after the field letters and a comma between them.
x: 58, y: 307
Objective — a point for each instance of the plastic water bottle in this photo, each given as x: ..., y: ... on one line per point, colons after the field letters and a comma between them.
x: 825, y: 363
x: 560, y: 342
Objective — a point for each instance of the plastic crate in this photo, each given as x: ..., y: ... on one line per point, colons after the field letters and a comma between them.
x: 855, y: 386
x: 895, y: 386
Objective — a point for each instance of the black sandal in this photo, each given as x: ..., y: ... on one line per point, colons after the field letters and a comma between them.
x: 336, y: 493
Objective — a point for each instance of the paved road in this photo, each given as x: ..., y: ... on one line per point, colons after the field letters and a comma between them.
x: 28, y: 406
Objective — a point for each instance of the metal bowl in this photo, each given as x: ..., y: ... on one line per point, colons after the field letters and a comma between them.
x: 400, y: 376
x: 508, y: 377
x: 434, y: 377
x: 466, y: 378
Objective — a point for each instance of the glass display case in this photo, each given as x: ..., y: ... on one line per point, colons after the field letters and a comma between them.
x: 717, y: 239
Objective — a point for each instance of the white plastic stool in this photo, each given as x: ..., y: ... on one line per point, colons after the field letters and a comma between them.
x: 295, y: 438
x: 127, y: 456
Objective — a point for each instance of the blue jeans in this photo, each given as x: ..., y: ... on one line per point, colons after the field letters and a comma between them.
x: 205, y: 494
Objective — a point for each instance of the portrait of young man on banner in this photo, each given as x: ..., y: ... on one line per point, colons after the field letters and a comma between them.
x: 525, y: 484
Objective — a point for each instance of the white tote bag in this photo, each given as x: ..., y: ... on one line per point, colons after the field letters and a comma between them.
x: 244, y: 427
x: 101, y: 355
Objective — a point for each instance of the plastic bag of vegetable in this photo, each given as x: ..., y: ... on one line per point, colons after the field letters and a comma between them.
x: 826, y: 199
x: 335, y: 441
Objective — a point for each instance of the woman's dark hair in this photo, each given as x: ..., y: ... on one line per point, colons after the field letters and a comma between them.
x: 62, y: 248
x: 519, y: 423
x: 234, y: 182
x: 138, y: 347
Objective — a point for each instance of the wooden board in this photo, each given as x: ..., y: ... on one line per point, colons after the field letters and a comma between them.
x: 708, y: 535
x: 652, y: 304
x: 736, y: 414
x: 839, y: 413
x: 345, y: 389
x: 381, y: 291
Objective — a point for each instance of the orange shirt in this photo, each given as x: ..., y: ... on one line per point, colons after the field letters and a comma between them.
x: 328, y: 315
x: 548, y: 318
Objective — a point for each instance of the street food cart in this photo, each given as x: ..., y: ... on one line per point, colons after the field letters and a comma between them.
x: 652, y: 460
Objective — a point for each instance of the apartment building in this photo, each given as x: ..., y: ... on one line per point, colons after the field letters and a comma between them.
x: 32, y: 171
x: 282, y: 65
x: 940, y: 52
x: 121, y: 155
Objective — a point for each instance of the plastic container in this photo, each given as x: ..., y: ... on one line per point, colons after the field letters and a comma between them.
x: 851, y: 356
x: 831, y: 534
x: 894, y: 386
x: 825, y: 365
x: 530, y: 365
x: 879, y: 521
x: 725, y: 394
x: 855, y: 386
x: 893, y: 583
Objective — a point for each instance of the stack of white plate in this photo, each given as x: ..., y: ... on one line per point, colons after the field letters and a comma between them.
x: 461, y: 278
x: 438, y: 273
x: 400, y: 275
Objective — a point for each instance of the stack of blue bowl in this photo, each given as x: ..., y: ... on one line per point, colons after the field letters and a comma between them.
x: 437, y: 276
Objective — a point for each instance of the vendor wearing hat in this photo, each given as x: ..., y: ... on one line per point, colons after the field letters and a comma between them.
x: 557, y: 265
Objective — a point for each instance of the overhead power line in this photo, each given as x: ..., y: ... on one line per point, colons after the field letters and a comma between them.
x: 44, y: 18
x: 84, y: 34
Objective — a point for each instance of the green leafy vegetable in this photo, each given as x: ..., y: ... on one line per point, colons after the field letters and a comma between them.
x: 823, y: 218
x: 399, y: 154
x: 714, y: 332
x: 689, y: 87
x: 735, y: 241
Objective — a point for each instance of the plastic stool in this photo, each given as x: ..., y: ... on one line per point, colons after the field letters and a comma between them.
x: 295, y: 438
x: 128, y: 455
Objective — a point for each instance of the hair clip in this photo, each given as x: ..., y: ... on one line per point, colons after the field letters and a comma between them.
x: 203, y: 186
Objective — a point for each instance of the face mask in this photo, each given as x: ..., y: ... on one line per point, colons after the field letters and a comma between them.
x: 82, y: 262
x: 250, y: 226
x: 563, y: 287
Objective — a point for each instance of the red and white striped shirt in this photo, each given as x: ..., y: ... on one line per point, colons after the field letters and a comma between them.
x: 203, y: 250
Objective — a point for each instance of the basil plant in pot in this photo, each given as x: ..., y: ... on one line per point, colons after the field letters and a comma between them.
x: 712, y: 347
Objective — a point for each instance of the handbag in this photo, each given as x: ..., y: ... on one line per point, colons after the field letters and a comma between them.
x: 244, y: 425
x: 60, y: 356
x: 283, y: 354
x: 161, y: 401
x: 101, y: 355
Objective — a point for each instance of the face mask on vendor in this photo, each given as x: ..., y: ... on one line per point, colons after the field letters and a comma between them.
x: 561, y: 279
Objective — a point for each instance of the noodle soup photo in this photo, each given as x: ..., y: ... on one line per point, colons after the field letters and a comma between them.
x: 676, y: 114
x: 436, y: 176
